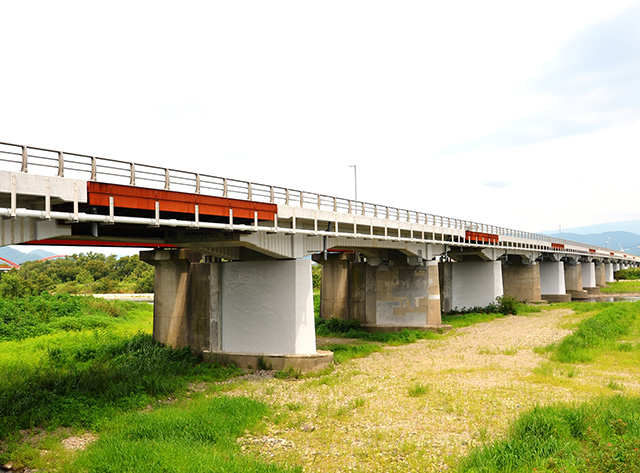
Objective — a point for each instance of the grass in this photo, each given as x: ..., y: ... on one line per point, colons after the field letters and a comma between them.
x: 198, y: 436
x: 345, y: 352
x: 110, y: 381
x: 596, y: 334
x: 363, y: 343
x: 80, y: 386
x: 621, y: 287
x: 418, y: 389
x: 80, y: 378
x: 600, y: 436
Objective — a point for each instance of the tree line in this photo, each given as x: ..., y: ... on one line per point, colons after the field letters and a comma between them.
x: 84, y: 273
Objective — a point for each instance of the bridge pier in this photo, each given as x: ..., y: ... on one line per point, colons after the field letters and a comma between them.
x: 589, y: 277
x: 390, y: 296
x: 237, y: 311
x: 466, y: 284
x: 608, y: 273
x: 521, y: 279
x: 600, y: 275
x: 573, y: 279
x: 552, y: 282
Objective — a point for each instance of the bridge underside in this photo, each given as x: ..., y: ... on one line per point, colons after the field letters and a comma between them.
x: 233, y: 279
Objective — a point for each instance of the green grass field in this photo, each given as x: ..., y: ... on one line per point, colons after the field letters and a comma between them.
x: 108, y: 376
x: 68, y: 367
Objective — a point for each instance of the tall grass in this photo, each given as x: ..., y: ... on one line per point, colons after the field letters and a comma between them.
x: 83, y: 384
x: 199, y: 437
x: 32, y: 316
x: 597, y: 333
x: 602, y: 436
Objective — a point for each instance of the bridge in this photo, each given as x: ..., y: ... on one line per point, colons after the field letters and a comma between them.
x: 233, y: 273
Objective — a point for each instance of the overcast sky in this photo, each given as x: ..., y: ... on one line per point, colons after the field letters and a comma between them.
x: 519, y: 114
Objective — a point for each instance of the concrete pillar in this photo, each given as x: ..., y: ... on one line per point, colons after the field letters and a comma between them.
x: 398, y: 295
x: 386, y: 297
x: 573, y: 280
x: 608, y: 273
x: 521, y: 281
x: 467, y: 284
x: 588, y: 274
x: 334, y: 289
x: 173, y: 318
x: 267, y: 307
x: 552, y: 282
x: 616, y: 267
x: 236, y: 311
x: 600, y: 274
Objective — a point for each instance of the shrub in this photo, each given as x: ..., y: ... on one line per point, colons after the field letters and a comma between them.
x: 630, y: 273
x: 507, y: 305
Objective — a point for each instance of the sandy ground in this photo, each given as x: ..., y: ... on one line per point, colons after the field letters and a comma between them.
x: 416, y: 407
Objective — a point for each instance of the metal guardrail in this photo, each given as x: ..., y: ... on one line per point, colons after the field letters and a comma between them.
x: 30, y: 159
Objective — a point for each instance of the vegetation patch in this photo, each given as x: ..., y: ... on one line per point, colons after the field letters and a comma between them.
x: 621, y: 287
x: 600, y: 436
x: 32, y: 316
x: 91, y: 273
x: 630, y: 273
x: 198, y: 437
x: 83, y: 384
x: 597, y: 333
x: 505, y: 305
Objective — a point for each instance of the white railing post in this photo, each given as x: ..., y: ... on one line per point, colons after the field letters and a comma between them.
x: 132, y: 174
x: 25, y: 159
x: 60, y: 164
x: 94, y: 169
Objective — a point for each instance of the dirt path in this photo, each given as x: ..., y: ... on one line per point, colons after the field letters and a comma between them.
x: 414, y: 407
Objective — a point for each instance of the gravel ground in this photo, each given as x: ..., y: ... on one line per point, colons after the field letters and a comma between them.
x: 416, y: 407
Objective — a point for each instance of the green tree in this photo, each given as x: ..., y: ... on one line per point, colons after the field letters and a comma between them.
x: 13, y: 286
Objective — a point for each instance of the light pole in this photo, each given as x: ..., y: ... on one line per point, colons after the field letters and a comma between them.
x: 355, y: 179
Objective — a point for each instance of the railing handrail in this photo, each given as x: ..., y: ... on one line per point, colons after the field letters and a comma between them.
x: 134, y: 173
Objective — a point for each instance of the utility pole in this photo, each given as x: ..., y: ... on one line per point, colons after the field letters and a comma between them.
x: 355, y: 179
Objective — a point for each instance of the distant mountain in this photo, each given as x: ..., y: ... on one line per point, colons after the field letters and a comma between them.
x: 20, y: 257
x: 616, y: 240
x: 630, y: 226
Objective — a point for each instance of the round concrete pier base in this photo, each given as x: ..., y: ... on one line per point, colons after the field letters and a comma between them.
x: 578, y: 295
x: 557, y: 297
x: 253, y: 361
x: 399, y: 328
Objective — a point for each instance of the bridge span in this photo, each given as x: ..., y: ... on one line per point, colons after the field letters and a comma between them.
x: 233, y: 277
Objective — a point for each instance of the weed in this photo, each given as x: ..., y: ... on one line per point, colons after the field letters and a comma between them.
x: 343, y: 353
x: 418, y: 390
x: 262, y: 364
x: 288, y: 373
x: 511, y: 351
x: 615, y: 386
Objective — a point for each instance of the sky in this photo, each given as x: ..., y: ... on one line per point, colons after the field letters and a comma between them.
x: 519, y: 114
